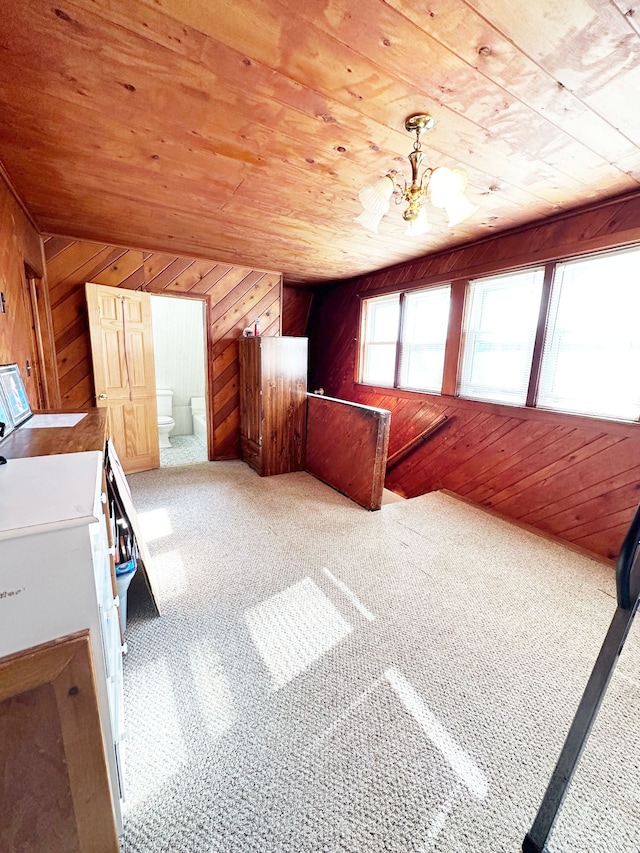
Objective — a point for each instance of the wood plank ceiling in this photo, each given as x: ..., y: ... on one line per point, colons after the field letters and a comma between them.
x: 243, y: 131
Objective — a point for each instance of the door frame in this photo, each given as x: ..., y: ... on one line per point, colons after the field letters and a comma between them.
x: 208, y: 347
x: 43, y: 368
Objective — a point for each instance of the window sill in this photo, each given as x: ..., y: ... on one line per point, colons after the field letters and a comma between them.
x: 628, y: 429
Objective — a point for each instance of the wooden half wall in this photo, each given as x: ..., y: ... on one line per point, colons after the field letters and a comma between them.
x: 234, y: 297
x: 347, y: 447
x: 574, y: 477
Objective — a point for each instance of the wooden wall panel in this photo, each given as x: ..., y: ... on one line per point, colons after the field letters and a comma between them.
x: 235, y: 297
x: 20, y: 245
x: 296, y: 306
x: 573, y: 477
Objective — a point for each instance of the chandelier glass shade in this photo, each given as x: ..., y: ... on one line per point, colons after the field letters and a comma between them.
x: 441, y: 186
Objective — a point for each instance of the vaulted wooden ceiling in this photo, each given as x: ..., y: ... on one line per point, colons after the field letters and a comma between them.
x: 243, y: 130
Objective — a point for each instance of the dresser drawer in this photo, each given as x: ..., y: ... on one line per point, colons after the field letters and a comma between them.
x: 251, y: 453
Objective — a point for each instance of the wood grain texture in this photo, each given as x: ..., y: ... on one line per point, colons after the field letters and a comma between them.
x: 347, y: 447
x: 273, y: 411
x: 121, y: 334
x: 244, y: 131
x: 574, y: 477
x: 88, y: 434
x: 235, y: 296
x: 43, y: 337
x: 20, y: 244
x: 296, y: 307
x: 54, y: 793
x: 416, y: 442
x: 37, y: 796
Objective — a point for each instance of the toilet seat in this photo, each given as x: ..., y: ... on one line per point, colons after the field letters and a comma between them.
x: 163, y: 420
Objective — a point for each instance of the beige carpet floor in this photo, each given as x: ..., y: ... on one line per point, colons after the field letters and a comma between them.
x: 327, y: 679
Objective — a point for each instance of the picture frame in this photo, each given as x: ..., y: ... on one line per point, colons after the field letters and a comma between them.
x: 5, y: 416
x: 14, y: 394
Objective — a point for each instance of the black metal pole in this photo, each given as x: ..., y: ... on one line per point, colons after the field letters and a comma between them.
x: 628, y: 590
x: 536, y: 839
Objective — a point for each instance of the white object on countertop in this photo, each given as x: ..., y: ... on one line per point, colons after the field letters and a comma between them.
x: 48, y: 421
x: 39, y: 493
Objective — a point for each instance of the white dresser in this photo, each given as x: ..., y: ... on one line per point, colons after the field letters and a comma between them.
x: 56, y: 579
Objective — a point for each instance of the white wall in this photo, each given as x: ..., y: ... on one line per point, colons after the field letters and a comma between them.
x: 178, y: 339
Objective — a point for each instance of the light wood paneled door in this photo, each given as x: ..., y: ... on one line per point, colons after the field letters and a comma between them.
x: 123, y: 372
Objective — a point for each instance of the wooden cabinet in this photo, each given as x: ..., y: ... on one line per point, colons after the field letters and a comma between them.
x: 54, y: 786
x: 56, y: 580
x: 273, y: 404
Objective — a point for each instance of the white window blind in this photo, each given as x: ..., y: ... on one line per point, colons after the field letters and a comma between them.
x: 424, y: 335
x: 379, y: 339
x: 591, y: 357
x: 499, y: 336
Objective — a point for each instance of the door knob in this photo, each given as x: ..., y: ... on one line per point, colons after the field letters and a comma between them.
x: 102, y: 396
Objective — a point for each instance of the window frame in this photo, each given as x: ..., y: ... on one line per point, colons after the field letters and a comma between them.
x: 550, y: 329
x: 470, y: 335
x: 401, y: 344
x: 456, y: 336
x: 363, y: 343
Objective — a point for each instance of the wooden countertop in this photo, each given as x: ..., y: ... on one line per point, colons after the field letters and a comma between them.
x: 89, y: 434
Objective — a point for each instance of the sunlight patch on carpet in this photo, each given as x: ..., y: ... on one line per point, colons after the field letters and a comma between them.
x: 462, y: 764
x: 155, y: 524
x: 294, y: 628
x: 350, y: 594
x: 213, y: 691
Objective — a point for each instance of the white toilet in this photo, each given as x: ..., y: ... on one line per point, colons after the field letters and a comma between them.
x: 165, y: 422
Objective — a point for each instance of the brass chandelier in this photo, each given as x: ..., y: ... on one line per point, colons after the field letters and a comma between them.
x: 441, y: 186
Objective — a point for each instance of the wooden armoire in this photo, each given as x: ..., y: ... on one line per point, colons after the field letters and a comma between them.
x: 273, y: 403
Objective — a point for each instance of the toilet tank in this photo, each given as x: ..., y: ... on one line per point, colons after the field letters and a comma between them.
x: 165, y: 402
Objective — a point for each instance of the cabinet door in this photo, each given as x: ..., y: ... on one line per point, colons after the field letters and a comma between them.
x: 284, y: 404
x: 250, y: 389
x: 54, y: 788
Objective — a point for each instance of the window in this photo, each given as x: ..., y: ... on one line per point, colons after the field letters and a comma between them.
x: 425, y: 317
x: 564, y: 336
x: 591, y: 357
x: 501, y: 321
x: 379, y: 339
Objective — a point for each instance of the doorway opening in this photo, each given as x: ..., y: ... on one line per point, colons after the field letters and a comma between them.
x: 179, y: 345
